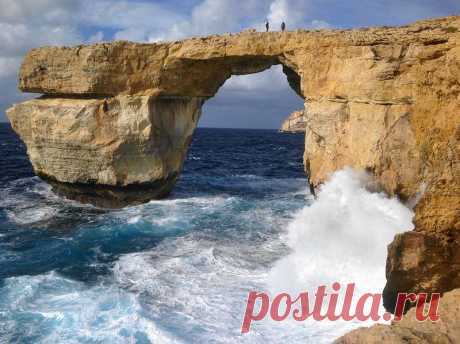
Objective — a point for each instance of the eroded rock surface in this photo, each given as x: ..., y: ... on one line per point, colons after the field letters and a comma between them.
x: 383, y: 99
x: 295, y: 123
x: 409, y: 330
x: 109, y: 152
x: 121, y: 115
x: 422, y: 262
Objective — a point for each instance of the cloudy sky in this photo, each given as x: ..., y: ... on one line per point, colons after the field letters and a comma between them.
x: 257, y: 101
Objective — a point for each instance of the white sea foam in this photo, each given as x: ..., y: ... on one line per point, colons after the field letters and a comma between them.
x: 192, y: 287
x: 342, y: 237
x: 134, y: 219
x: 30, y: 201
x: 198, y: 286
x: 31, y: 214
x: 173, y: 214
x: 66, y: 311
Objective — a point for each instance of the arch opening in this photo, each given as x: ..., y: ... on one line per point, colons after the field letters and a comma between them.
x: 256, y: 95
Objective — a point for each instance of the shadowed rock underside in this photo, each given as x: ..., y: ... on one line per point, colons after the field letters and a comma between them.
x: 118, y: 116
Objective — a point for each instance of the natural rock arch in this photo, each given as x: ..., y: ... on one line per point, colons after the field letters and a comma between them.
x: 131, y: 110
x: 124, y: 112
x: 117, y: 118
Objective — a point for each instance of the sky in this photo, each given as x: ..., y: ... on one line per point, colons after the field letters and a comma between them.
x: 260, y: 100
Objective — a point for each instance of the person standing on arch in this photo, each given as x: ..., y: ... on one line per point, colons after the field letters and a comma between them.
x: 283, y: 26
x: 267, y: 25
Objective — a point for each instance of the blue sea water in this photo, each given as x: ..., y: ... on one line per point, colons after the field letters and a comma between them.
x: 173, y: 270
x: 179, y: 270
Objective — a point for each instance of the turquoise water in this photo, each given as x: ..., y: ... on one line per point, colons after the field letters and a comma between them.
x: 179, y: 270
x: 174, y: 270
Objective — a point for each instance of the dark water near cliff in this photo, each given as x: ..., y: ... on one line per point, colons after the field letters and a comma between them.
x: 175, y: 270
x: 179, y: 270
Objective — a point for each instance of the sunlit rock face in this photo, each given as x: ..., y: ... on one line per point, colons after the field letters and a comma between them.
x: 422, y: 261
x: 382, y: 99
x: 295, y: 123
x: 110, y: 152
x: 119, y: 116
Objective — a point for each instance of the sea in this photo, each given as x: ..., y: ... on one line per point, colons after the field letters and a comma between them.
x: 179, y: 270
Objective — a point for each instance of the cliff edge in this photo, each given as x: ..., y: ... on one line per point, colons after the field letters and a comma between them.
x: 116, y: 120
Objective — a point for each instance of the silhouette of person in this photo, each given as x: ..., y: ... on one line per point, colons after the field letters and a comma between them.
x: 283, y: 26
x: 267, y: 25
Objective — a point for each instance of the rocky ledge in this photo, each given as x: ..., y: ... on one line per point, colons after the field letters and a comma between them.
x: 295, y: 123
x: 410, y: 330
x: 117, y: 118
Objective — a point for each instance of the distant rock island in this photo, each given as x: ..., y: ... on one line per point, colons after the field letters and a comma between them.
x: 116, y: 120
x: 295, y: 123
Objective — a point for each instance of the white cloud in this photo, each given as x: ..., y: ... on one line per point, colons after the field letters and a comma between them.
x: 141, y: 21
x: 270, y: 80
x: 218, y: 16
x: 131, y: 20
x: 132, y: 34
x: 19, y: 37
x: 44, y: 11
x: 25, y: 24
x: 278, y: 12
x: 292, y: 12
x: 320, y: 24
x: 9, y: 66
x: 30, y: 23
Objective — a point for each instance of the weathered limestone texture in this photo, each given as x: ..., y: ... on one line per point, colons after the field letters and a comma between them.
x: 119, y: 116
x: 124, y: 149
x: 295, y: 123
x: 422, y: 261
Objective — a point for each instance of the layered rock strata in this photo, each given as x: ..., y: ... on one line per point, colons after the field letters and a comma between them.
x: 119, y: 117
x: 109, y: 152
x: 295, y: 123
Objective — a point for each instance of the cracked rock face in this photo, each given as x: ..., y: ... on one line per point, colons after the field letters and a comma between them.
x: 392, y: 109
x: 422, y: 262
x: 118, y: 117
x: 109, y: 152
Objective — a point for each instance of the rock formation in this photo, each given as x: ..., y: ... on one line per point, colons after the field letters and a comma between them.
x: 295, y: 123
x: 422, y: 261
x: 108, y: 151
x: 410, y: 330
x: 117, y: 119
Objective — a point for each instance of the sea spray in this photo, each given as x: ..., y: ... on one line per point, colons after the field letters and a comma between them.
x: 342, y: 237
x: 175, y: 270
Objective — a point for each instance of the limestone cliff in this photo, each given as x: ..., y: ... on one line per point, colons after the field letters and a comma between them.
x: 109, y: 152
x: 119, y: 116
x: 295, y: 123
